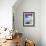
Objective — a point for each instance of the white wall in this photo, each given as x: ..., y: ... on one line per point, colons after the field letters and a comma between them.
x: 32, y: 33
x: 43, y: 22
x: 6, y: 13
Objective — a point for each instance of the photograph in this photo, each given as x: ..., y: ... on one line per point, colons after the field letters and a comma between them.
x: 28, y: 18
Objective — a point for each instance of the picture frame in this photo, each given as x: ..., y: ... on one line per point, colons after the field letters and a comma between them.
x: 28, y: 19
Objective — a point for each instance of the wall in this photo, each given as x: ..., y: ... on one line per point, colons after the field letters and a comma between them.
x: 6, y: 13
x: 32, y: 33
x: 43, y: 22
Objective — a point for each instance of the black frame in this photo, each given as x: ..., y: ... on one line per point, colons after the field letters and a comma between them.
x: 33, y: 19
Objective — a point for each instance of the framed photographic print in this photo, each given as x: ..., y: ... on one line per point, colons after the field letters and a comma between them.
x: 28, y: 19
